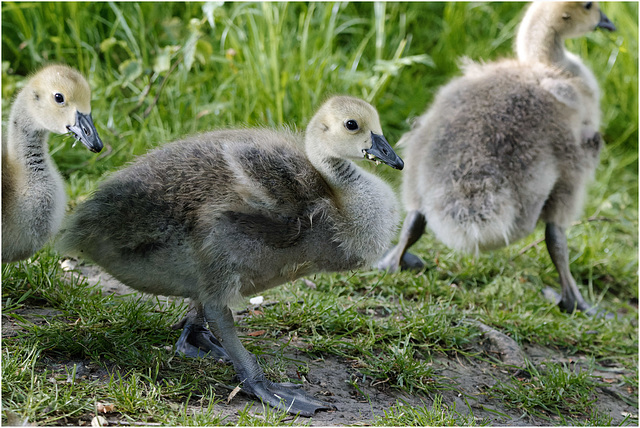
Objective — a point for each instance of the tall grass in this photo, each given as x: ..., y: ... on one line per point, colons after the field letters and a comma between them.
x: 163, y: 70
x: 160, y: 71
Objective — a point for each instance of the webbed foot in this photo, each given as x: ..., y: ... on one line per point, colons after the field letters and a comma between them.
x: 570, y: 299
x: 410, y: 261
x: 286, y: 396
x: 397, y: 257
x: 389, y: 261
x: 196, y: 341
x: 570, y: 305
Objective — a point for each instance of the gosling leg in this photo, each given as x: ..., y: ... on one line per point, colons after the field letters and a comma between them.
x: 285, y: 396
x: 196, y: 340
x: 570, y: 298
x: 398, y: 257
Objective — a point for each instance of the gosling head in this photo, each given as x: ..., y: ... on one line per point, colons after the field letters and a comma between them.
x: 349, y: 128
x: 575, y: 19
x: 59, y: 99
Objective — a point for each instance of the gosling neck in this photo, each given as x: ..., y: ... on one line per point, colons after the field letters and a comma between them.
x: 366, y: 206
x: 339, y: 173
x: 27, y: 141
x: 538, y: 41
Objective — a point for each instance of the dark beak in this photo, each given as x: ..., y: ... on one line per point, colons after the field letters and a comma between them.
x: 85, y: 132
x: 381, y: 151
x: 605, y: 23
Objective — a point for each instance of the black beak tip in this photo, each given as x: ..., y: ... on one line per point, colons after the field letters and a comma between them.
x: 383, y: 152
x: 607, y: 26
x: 85, y: 131
x: 96, y: 147
x: 605, y: 23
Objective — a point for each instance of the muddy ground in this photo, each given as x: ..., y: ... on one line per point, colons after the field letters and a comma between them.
x: 333, y: 379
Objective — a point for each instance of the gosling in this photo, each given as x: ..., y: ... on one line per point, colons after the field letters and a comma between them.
x: 56, y: 99
x: 234, y: 212
x: 540, y: 40
x: 506, y: 144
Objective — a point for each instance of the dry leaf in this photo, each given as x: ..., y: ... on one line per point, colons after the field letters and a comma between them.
x: 233, y: 394
x: 105, y: 407
x: 257, y: 333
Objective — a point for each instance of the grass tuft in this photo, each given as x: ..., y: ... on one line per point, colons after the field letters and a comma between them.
x: 555, y: 389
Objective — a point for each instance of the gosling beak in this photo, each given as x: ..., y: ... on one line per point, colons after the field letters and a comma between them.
x: 381, y: 151
x: 85, y: 132
x: 605, y: 23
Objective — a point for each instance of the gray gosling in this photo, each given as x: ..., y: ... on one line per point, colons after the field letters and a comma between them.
x: 231, y: 213
x: 540, y: 40
x: 507, y: 144
x: 56, y: 99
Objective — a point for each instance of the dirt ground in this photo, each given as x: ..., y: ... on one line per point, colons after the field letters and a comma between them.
x: 332, y: 380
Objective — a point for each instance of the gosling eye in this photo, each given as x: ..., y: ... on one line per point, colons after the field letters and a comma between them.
x: 59, y: 98
x: 588, y: 5
x: 351, y: 125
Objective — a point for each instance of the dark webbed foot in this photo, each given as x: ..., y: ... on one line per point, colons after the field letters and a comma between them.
x: 286, y: 396
x: 196, y: 341
x: 410, y: 261
x: 569, y: 305
x: 389, y: 262
x: 570, y: 299
x: 397, y: 257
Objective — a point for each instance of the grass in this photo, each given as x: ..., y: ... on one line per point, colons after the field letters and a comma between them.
x: 438, y: 414
x: 556, y: 388
x: 162, y: 71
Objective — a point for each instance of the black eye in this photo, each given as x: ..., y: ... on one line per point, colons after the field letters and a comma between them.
x: 351, y: 125
x: 588, y: 5
x: 58, y: 97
